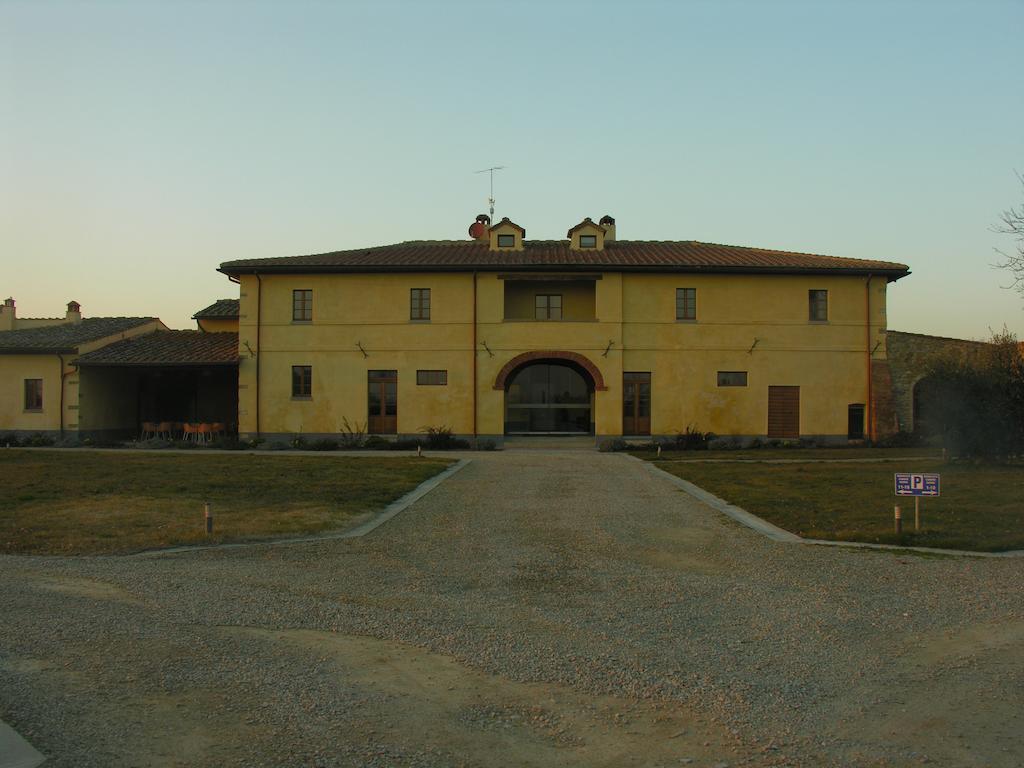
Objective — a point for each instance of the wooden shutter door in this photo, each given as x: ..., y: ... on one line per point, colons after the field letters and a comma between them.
x: 784, y: 412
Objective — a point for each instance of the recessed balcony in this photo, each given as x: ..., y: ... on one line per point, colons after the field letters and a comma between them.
x: 550, y: 300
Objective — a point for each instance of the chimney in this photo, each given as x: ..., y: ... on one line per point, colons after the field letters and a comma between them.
x: 8, y: 320
x: 478, y: 229
x: 609, y: 228
x: 74, y: 315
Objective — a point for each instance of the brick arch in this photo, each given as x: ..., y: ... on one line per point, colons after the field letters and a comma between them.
x: 529, y: 357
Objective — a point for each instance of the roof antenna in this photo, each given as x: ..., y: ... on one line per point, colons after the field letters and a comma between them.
x: 491, y: 170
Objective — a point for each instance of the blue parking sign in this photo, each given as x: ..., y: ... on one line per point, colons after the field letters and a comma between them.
x: 909, y: 484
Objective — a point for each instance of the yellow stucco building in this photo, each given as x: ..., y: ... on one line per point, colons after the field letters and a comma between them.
x: 502, y: 335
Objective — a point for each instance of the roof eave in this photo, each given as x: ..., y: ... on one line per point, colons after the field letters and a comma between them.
x: 892, y: 273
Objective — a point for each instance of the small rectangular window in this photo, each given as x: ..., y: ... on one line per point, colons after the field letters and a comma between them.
x: 33, y: 394
x: 732, y: 378
x: 302, y: 305
x: 302, y: 381
x: 548, y: 306
x: 419, y: 304
x: 817, y: 305
x: 855, y: 421
x: 506, y: 241
x: 588, y: 241
x: 436, y: 378
x: 686, y: 303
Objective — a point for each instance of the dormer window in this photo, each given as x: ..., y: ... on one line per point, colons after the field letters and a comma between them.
x: 586, y: 236
x: 506, y: 235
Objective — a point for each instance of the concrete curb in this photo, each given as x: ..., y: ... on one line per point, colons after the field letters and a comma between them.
x: 398, y: 505
x: 778, y: 534
x: 15, y: 752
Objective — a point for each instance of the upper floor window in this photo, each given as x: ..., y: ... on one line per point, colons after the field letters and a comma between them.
x: 548, y: 306
x: 588, y: 241
x: 302, y: 381
x: 33, y: 394
x: 817, y: 305
x: 506, y: 241
x: 686, y: 303
x: 419, y: 304
x: 302, y: 305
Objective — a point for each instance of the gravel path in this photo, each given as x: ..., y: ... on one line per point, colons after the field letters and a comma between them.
x: 537, y: 609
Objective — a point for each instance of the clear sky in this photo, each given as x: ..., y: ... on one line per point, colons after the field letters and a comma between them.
x: 141, y: 144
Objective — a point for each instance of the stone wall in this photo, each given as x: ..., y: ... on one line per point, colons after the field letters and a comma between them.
x: 909, y: 355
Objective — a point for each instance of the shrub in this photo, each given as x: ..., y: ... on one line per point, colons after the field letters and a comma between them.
x: 352, y: 435
x: 442, y: 439
x: 373, y: 443
x: 10, y: 440
x: 691, y: 440
x: 39, y: 440
x: 611, y: 446
x: 324, y: 444
x: 228, y: 443
x: 486, y: 445
x: 298, y: 442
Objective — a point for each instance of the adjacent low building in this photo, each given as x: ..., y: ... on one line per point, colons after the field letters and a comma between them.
x: 39, y: 383
x: 501, y: 335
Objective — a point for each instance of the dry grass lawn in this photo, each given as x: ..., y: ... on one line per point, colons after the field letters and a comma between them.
x: 981, y: 507
x: 85, y: 502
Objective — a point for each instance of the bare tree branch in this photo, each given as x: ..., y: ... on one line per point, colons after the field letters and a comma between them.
x: 1011, y: 222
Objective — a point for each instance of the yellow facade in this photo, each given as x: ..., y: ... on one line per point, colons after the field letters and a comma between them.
x: 619, y: 321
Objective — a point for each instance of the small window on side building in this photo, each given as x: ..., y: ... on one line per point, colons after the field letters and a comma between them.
x: 302, y: 381
x: 588, y: 241
x: 435, y: 378
x: 33, y: 394
x: 302, y: 305
x: 817, y: 306
x: 686, y: 303
x: 506, y: 241
x: 732, y: 378
x: 419, y: 304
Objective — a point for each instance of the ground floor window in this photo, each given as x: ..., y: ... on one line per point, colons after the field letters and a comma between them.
x: 302, y: 381
x: 855, y: 420
x: 33, y: 394
x: 427, y: 378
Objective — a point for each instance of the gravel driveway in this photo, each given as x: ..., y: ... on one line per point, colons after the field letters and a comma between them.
x: 539, y: 608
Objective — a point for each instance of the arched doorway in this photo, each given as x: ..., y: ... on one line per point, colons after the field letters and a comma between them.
x: 549, y: 397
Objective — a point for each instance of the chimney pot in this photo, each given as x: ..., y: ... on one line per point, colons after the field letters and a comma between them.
x: 74, y: 314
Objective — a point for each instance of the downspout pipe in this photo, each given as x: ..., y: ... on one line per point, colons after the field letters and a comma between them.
x: 60, y: 378
x: 869, y: 406
x: 474, y: 363
x: 259, y: 346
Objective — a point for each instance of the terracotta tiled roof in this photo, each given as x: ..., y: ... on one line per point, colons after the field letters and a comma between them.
x: 221, y: 308
x: 67, y: 336
x: 167, y: 348
x: 555, y: 255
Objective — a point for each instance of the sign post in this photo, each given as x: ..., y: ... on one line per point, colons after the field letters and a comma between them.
x: 916, y: 485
